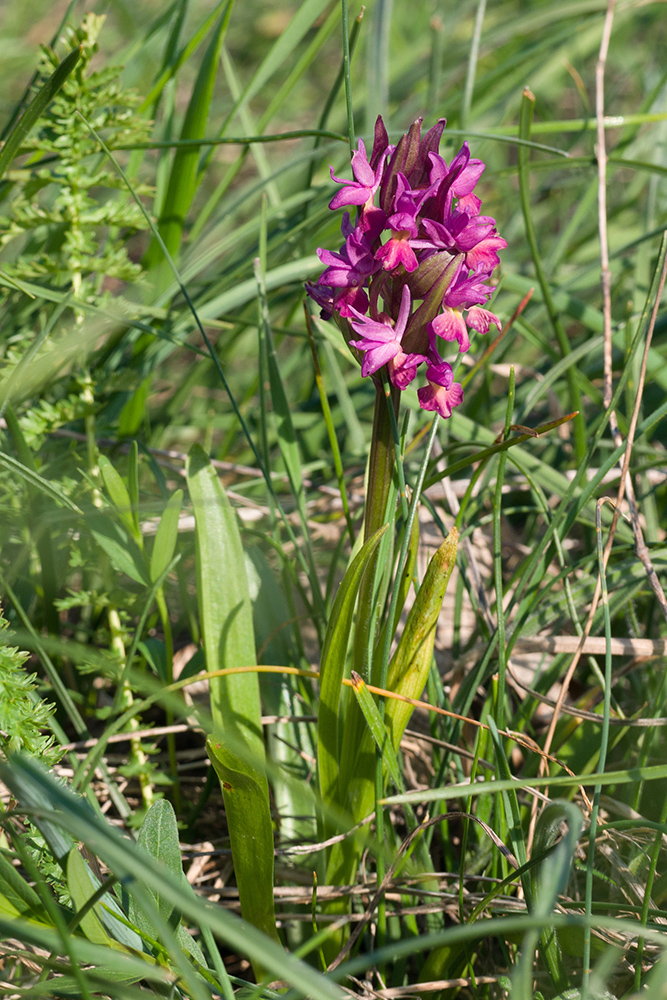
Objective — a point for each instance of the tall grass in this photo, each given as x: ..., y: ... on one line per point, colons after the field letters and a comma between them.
x: 373, y: 792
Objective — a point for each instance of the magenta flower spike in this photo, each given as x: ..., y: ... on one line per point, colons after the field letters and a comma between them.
x: 413, y: 274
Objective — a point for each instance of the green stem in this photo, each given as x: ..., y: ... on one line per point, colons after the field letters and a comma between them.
x: 602, y: 759
x: 381, y: 462
x: 498, y: 562
x: 380, y: 470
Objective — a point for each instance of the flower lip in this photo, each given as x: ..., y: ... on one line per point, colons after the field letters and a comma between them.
x: 380, y: 341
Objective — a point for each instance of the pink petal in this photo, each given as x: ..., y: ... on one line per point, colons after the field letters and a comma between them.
x: 378, y: 356
x: 450, y: 325
x: 396, y: 252
x: 440, y: 400
x: 403, y: 369
x: 481, y: 319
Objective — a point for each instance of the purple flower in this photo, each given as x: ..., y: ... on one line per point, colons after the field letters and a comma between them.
x: 403, y: 369
x: 381, y: 342
x: 410, y: 158
x: 481, y: 319
x: 463, y: 172
x: 469, y: 293
x: 351, y: 266
x: 485, y: 253
x: 362, y: 189
x: 442, y: 393
x: 418, y: 235
x: 449, y: 325
x: 403, y: 225
x: 469, y: 290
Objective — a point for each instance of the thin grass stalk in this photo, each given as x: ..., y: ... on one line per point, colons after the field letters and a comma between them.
x: 289, y: 449
x: 250, y: 127
x: 391, y: 614
x: 527, y: 107
x: 471, y: 70
x: 602, y: 759
x: 657, y: 286
x: 349, y: 111
x: 498, y: 562
x: 562, y: 561
x: 330, y: 101
x: 377, y: 61
x: 601, y: 152
x: 566, y: 513
x: 648, y: 888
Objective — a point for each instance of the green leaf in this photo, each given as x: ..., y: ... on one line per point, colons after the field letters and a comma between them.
x: 81, y: 884
x: 133, y: 482
x: 224, y: 606
x: 287, y: 439
x: 332, y: 668
x: 184, y: 54
x: 33, y: 479
x: 117, y: 491
x: 237, y: 747
x: 166, y: 536
x: 377, y: 729
x: 36, y: 109
x: 410, y: 664
x: 134, y: 412
x: 547, y: 881
x: 12, y: 915
x: 549, y: 878
x: 159, y: 836
x: 188, y: 943
x: 131, y: 864
x: 17, y: 892
x: 283, y: 49
x: 251, y: 833
x: 35, y: 793
x: 123, y: 552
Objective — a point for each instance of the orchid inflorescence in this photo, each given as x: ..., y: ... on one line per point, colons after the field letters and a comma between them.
x: 439, y: 250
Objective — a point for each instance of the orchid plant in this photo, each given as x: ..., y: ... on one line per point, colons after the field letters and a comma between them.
x: 412, y: 276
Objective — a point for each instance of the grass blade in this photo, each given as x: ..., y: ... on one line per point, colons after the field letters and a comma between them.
x: 184, y: 180
x: 129, y: 862
x: 36, y: 109
x: 251, y: 834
